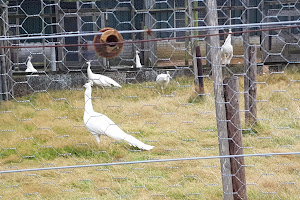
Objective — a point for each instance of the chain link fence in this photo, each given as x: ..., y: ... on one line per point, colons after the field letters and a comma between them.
x: 220, y: 131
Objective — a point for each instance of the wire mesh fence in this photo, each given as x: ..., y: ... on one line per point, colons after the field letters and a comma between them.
x: 211, y: 123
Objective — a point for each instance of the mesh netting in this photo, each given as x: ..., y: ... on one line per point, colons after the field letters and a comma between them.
x: 43, y: 135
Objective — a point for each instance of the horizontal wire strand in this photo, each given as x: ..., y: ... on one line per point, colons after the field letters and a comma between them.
x: 200, y: 28
x: 151, y: 161
x: 148, y: 40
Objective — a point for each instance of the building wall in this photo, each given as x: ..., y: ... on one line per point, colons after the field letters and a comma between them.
x: 165, y: 50
x: 26, y: 85
x: 176, y: 50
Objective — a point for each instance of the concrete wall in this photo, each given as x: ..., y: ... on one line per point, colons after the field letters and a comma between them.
x: 27, y: 84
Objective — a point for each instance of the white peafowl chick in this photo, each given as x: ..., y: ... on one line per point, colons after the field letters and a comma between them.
x: 137, y: 60
x: 99, y: 124
x: 100, y: 80
x: 227, y: 50
x: 163, y: 80
x: 30, y: 67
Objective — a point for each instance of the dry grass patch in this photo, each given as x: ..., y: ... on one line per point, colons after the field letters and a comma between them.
x: 49, y: 131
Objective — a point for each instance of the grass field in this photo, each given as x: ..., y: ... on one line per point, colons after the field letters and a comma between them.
x: 46, y: 129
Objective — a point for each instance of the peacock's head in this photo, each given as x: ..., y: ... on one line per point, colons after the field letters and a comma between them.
x: 89, y: 84
x: 168, y: 73
x: 88, y: 63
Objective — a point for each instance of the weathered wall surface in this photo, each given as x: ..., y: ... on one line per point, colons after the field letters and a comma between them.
x: 176, y: 50
x: 165, y: 50
x: 27, y: 84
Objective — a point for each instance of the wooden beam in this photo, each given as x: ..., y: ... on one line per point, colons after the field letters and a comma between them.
x: 265, y: 38
x: 79, y: 41
x: 186, y: 22
x: 103, y: 25
x: 149, y: 46
x: 193, y: 45
x: 280, y: 13
x: 252, y: 89
x: 5, y: 81
x: 200, y: 87
x: 270, y: 2
x: 246, y: 40
x: 231, y: 92
x: 60, y: 52
x: 214, y: 42
x: 200, y: 8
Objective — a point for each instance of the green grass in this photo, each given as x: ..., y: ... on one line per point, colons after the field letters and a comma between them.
x: 49, y: 131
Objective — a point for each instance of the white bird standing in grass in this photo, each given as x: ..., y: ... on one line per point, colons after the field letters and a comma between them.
x: 137, y: 59
x: 227, y: 50
x: 30, y: 67
x: 163, y: 80
x: 99, y: 124
x: 100, y: 80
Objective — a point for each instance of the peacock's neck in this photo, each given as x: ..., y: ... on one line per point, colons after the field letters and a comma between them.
x: 228, y: 39
x: 88, y: 100
x: 89, y: 71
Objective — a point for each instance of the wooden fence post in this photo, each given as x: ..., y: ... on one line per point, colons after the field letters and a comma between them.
x: 246, y: 40
x: 103, y: 22
x: 231, y: 93
x: 193, y: 45
x: 2, y: 60
x: 250, y: 68
x: 214, y: 43
x: 6, y: 82
x: 59, y: 25
x: 186, y: 42
x: 253, y: 86
x: 149, y: 58
x: 250, y: 90
x: 200, y: 87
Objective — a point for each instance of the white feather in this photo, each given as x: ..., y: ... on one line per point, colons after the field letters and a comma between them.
x: 163, y: 80
x: 227, y: 50
x: 99, y: 124
x: 30, y: 67
x: 137, y: 60
x: 101, y: 80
